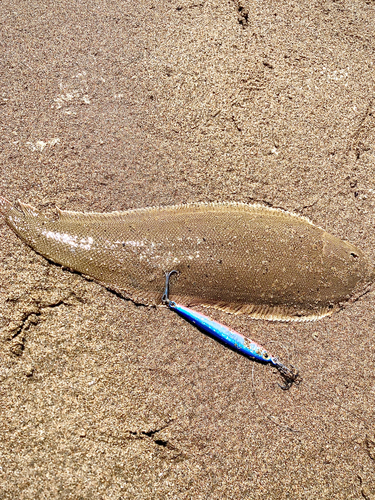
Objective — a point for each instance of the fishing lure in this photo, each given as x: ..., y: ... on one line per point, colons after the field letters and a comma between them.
x: 229, y: 337
x: 240, y: 258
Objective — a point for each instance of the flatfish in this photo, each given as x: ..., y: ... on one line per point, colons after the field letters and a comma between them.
x: 242, y: 258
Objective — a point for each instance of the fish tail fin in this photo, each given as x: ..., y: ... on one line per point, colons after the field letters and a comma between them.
x: 6, y: 207
x: 14, y: 215
x: 21, y: 218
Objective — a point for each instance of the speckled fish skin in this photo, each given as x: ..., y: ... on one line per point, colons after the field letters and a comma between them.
x: 241, y: 258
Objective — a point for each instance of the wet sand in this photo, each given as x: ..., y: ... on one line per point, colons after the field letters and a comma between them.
x: 116, y: 105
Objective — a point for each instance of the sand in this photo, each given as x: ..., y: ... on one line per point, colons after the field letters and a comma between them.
x: 111, y: 105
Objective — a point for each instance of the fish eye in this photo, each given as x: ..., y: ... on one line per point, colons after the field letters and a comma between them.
x: 354, y: 255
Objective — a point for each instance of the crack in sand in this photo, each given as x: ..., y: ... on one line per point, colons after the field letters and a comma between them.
x: 31, y: 316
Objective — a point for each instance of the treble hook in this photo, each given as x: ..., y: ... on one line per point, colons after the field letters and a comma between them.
x: 290, y: 375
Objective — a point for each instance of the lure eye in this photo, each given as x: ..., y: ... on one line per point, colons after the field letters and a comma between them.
x: 266, y: 355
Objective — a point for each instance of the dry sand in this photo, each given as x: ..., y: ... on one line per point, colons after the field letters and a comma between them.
x: 109, y: 105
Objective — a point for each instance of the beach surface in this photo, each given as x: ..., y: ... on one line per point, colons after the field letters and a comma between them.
x: 113, y: 105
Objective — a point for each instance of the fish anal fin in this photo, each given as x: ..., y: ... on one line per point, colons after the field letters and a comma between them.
x: 264, y: 312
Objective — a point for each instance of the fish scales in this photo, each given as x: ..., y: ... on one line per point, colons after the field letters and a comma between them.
x: 241, y: 258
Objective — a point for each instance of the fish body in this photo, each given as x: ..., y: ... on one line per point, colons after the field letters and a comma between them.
x: 241, y: 258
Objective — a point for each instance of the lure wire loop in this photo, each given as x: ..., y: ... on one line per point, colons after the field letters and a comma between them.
x: 165, y: 298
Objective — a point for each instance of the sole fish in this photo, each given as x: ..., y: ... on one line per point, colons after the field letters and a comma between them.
x: 264, y: 262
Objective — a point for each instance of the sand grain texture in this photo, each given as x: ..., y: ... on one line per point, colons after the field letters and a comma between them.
x: 117, y: 105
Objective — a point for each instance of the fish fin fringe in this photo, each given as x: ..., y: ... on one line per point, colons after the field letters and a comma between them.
x: 263, y: 312
x: 270, y: 313
x: 71, y: 216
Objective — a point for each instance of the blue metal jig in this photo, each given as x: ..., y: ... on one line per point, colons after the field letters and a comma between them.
x: 229, y: 337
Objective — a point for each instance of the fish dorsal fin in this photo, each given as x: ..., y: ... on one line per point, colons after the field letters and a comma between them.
x: 71, y: 216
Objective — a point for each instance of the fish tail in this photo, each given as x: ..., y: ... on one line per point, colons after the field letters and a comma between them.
x: 23, y: 219
x: 13, y: 215
x: 6, y: 207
